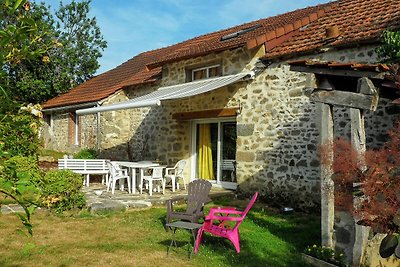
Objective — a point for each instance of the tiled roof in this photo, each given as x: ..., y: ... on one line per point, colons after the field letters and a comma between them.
x: 146, y: 67
x: 270, y: 29
x: 357, y: 21
x: 131, y: 72
x: 296, y: 32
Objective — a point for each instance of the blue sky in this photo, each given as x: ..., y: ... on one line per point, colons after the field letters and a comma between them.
x: 134, y: 26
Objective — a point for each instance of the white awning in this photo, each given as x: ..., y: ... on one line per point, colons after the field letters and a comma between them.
x: 171, y: 92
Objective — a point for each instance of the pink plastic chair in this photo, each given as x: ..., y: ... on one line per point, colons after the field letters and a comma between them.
x: 222, y: 229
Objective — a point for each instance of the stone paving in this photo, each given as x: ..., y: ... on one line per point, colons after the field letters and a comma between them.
x: 99, y: 200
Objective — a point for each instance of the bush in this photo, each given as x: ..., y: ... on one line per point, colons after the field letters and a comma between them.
x: 86, y: 154
x: 19, y: 130
x: 326, y: 254
x: 61, y: 190
x: 18, y: 166
x: 18, y: 179
x: 22, y: 174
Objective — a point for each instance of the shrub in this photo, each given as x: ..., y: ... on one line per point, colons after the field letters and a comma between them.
x: 326, y: 254
x: 19, y: 130
x: 86, y: 154
x: 61, y: 190
x: 22, y: 172
x: 378, y: 199
x: 19, y: 177
x: 18, y: 166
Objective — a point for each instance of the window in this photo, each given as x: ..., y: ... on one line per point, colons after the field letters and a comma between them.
x: 206, y: 72
x: 73, y: 128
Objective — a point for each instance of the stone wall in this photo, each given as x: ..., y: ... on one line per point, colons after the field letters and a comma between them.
x: 278, y: 132
x: 55, y: 136
x: 88, y: 131
x: 152, y: 133
x: 277, y: 126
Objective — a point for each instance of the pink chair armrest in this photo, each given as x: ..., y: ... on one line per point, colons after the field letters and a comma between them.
x: 218, y: 209
x: 225, y: 211
x: 224, y: 218
x: 230, y: 210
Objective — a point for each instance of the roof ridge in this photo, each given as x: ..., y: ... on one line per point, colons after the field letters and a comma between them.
x: 289, y: 29
x: 243, y: 25
x: 358, y: 22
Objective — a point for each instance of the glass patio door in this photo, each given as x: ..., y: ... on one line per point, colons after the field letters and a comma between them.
x: 215, y: 152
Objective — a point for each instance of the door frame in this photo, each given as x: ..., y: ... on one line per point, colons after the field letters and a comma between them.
x: 193, y: 154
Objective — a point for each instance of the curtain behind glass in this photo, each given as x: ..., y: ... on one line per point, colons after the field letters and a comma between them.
x: 204, y: 162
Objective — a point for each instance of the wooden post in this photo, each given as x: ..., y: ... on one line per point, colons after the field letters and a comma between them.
x: 327, y: 185
x: 364, y: 86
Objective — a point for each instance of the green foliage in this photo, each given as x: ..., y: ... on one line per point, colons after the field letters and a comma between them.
x: 73, y: 44
x: 19, y: 131
x: 51, y: 153
x: 61, y: 190
x: 82, y: 41
x: 22, y: 165
x: 326, y: 254
x: 389, y: 51
x: 18, y: 177
x: 86, y: 154
x: 21, y: 39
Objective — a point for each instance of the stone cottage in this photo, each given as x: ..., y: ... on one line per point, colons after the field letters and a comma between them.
x: 228, y: 102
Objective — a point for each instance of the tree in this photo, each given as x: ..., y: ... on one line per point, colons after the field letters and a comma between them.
x: 81, y: 39
x: 22, y: 39
x: 389, y: 51
x: 373, y: 194
x: 77, y: 44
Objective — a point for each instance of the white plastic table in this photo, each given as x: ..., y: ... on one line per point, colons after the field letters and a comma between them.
x: 140, y: 165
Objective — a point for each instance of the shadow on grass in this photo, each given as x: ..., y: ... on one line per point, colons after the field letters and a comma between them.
x: 267, y: 238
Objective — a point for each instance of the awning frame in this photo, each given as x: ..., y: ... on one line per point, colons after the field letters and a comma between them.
x: 172, y: 93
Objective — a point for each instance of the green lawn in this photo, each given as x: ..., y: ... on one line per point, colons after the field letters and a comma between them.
x: 137, y: 238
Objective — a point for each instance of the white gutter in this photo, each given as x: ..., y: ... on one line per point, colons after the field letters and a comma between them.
x: 90, y: 104
x: 124, y: 105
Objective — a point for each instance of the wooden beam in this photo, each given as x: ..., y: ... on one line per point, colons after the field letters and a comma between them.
x: 212, y: 113
x: 347, y: 99
x: 327, y: 185
x: 366, y: 87
x: 337, y: 72
x: 358, y: 141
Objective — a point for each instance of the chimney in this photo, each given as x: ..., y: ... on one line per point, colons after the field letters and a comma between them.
x: 332, y: 32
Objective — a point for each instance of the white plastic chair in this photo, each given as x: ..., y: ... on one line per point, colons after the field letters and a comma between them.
x: 156, y: 175
x: 176, y: 173
x: 116, y: 173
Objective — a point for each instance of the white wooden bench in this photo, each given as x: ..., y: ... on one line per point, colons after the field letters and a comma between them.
x: 85, y: 167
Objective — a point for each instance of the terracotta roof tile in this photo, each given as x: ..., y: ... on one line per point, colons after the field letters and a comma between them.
x: 296, y: 32
x: 341, y: 65
x: 132, y: 72
x: 272, y: 27
x: 358, y: 21
x: 146, y: 67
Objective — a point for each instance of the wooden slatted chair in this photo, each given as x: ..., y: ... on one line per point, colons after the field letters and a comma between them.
x: 197, y: 197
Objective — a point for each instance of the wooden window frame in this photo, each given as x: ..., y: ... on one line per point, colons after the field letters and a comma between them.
x: 207, y: 68
x: 203, y: 66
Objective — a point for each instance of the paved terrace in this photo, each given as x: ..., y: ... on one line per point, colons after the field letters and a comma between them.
x: 122, y: 201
